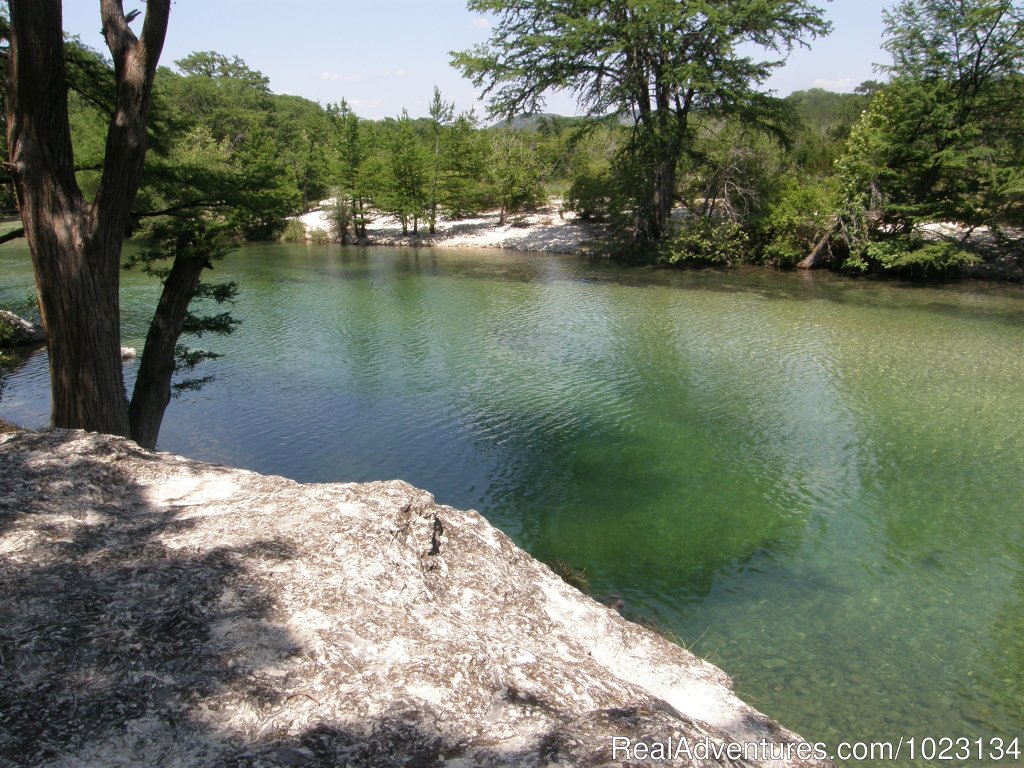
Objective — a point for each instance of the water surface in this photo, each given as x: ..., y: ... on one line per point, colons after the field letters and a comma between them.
x: 817, y: 483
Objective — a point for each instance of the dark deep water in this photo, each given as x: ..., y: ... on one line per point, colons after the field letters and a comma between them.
x: 816, y: 483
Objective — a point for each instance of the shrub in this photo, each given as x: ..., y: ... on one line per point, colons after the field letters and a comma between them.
x: 294, y: 232
x: 319, y: 236
x: 590, y: 195
x: 795, y: 222
x: 910, y: 255
x: 705, y: 241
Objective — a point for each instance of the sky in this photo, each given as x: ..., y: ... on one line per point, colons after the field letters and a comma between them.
x: 386, y: 55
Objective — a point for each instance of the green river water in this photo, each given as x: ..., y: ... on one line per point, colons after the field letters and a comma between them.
x: 816, y: 483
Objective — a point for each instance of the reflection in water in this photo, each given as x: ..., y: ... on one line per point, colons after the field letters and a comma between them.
x: 814, y: 481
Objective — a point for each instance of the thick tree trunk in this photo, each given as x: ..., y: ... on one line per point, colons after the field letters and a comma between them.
x: 659, y: 197
x: 76, y: 272
x: 153, y: 385
x: 75, y: 245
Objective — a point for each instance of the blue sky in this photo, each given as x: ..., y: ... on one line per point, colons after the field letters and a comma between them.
x: 383, y: 55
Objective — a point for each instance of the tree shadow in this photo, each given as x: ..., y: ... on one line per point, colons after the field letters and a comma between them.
x: 102, y: 622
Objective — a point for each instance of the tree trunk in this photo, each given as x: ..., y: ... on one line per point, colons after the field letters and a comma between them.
x: 820, y: 250
x: 75, y: 245
x: 152, y: 390
x: 75, y: 268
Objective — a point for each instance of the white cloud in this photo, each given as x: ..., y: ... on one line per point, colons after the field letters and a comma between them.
x: 336, y: 77
x: 840, y: 84
x: 481, y: 23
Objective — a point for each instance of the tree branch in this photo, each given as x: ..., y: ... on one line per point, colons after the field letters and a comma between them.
x: 134, y: 68
x: 14, y: 234
x: 119, y: 36
x: 187, y: 206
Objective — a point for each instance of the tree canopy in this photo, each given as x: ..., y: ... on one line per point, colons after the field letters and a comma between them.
x: 943, y: 141
x: 661, y: 62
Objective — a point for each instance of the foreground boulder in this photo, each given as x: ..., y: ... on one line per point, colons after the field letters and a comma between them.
x: 158, y: 611
x: 15, y: 331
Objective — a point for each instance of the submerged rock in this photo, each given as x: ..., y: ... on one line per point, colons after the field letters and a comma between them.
x: 162, y: 611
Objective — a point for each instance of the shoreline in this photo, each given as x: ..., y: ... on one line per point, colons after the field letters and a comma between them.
x: 548, y: 229
x: 552, y: 229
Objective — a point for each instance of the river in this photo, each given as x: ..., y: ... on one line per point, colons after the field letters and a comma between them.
x: 815, y: 482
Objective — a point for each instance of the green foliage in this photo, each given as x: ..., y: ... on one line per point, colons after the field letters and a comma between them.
x: 353, y: 184
x: 463, y: 186
x: 733, y: 171
x: 404, y: 189
x: 704, y: 241
x: 592, y: 194
x: 319, y: 236
x: 515, y: 172
x: 944, y: 140
x: 294, y: 232
x: 911, y: 256
x: 661, y: 61
x: 196, y: 238
x: 26, y: 309
x: 825, y: 120
x: 796, y: 220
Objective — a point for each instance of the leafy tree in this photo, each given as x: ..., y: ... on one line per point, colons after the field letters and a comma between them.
x: 442, y: 115
x: 188, y: 245
x: 660, y: 62
x: 464, y: 187
x: 825, y: 120
x: 223, y: 94
x: 944, y: 140
x: 303, y: 131
x: 350, y: 210
x: 798, y: 220
x: 406, y: 174
x: 191, y: 191
x: 515, y: 172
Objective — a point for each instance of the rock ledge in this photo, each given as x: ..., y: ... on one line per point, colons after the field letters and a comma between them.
x: 159, y: 611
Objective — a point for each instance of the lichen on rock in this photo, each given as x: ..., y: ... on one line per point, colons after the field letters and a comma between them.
x: 159, y: 611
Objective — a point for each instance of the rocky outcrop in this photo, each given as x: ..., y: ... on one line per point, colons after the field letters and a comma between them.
x: 15, y: 331
x: 159, y: 611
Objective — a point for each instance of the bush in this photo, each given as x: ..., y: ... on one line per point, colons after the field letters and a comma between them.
x: 319, y: 236
x: 590, y: 195
x: 796, y: 222
x: 705, y: 241
x: 294, y: 232
x: 910, y: 256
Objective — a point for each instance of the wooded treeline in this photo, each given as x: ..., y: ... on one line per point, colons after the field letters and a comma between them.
x: 815, y: 178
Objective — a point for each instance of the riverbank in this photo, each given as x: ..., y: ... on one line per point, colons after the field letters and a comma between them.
x: 549, y: 228
x: 163, y: 611
x: 553, y: 229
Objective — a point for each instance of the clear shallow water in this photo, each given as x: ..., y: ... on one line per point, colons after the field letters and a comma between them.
x: 816, y: 483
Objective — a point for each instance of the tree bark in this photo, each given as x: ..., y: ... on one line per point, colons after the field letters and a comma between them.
x: 75, y: 244
x: 152, y: 390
